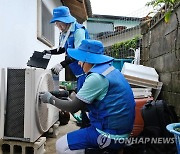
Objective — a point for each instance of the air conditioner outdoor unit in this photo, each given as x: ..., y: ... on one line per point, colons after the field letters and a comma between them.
x: 27, y: 118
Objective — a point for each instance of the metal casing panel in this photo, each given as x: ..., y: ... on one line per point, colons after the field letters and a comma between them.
x: 2, y: 101
x: 42, y: 116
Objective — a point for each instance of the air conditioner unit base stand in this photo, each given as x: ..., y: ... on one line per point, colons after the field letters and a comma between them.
x: 9, y: 146
x: 54, y: 131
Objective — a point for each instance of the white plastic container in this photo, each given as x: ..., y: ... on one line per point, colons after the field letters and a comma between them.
x: 142, y: 92
x: 140, y: 71
x: 142, y: 76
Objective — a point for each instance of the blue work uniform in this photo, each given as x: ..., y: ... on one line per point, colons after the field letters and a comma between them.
x: 75, y: 68
x: 113, y: 115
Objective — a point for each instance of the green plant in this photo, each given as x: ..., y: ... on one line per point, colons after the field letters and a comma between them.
x: 120, y: 50
x: 168, y: 8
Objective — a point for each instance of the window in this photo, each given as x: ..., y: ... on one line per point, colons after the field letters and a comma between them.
x: 45, y: 30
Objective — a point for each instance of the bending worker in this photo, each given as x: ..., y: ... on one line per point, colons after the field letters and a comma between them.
x: 105, y: 93
x: 72, y: 33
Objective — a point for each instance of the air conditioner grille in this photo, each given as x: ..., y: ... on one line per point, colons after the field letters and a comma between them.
x: 46, y: 84
x: 14, y: 122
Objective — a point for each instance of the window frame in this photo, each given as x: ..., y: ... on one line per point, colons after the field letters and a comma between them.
x: 40, y: 35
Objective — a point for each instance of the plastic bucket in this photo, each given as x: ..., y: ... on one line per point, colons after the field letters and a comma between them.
x: 118, y: 63
x: 171, y: 128
x: 138, y: 121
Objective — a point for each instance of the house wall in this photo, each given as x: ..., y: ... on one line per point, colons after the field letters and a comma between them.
x: 94, y: 27
x: 18, y: 33
x: 161, y: 50
x: 97, y: 25
x: 104, y: 30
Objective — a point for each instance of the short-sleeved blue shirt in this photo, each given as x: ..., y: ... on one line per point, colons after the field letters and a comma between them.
x: 95, y: 87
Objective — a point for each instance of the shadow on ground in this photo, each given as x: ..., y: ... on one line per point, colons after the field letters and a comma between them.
x: 62, y: 130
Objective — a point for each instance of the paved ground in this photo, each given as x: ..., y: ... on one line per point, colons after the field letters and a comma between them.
x: 50, y: 142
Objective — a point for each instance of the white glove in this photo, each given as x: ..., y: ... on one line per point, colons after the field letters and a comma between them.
x: 45, y: 96
x: 56, y: 69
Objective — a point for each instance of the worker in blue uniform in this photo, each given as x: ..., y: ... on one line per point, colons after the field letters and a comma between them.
x: 72, y: 33
x: 106, y: 94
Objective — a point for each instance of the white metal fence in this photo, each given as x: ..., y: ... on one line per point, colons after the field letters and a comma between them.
x: 121, y: 35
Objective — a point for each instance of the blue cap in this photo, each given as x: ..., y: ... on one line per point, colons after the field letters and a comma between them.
x: 90, y: 51
x: 62, y: 14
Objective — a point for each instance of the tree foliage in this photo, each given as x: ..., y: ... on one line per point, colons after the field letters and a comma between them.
x: 169, y: 6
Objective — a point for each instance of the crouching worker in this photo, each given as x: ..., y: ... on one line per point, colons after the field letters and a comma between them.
x: 108, y: 97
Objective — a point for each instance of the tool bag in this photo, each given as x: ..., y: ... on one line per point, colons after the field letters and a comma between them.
x: 157, y: 115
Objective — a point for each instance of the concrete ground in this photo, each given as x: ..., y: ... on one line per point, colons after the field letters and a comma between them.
x: 62, y: 130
